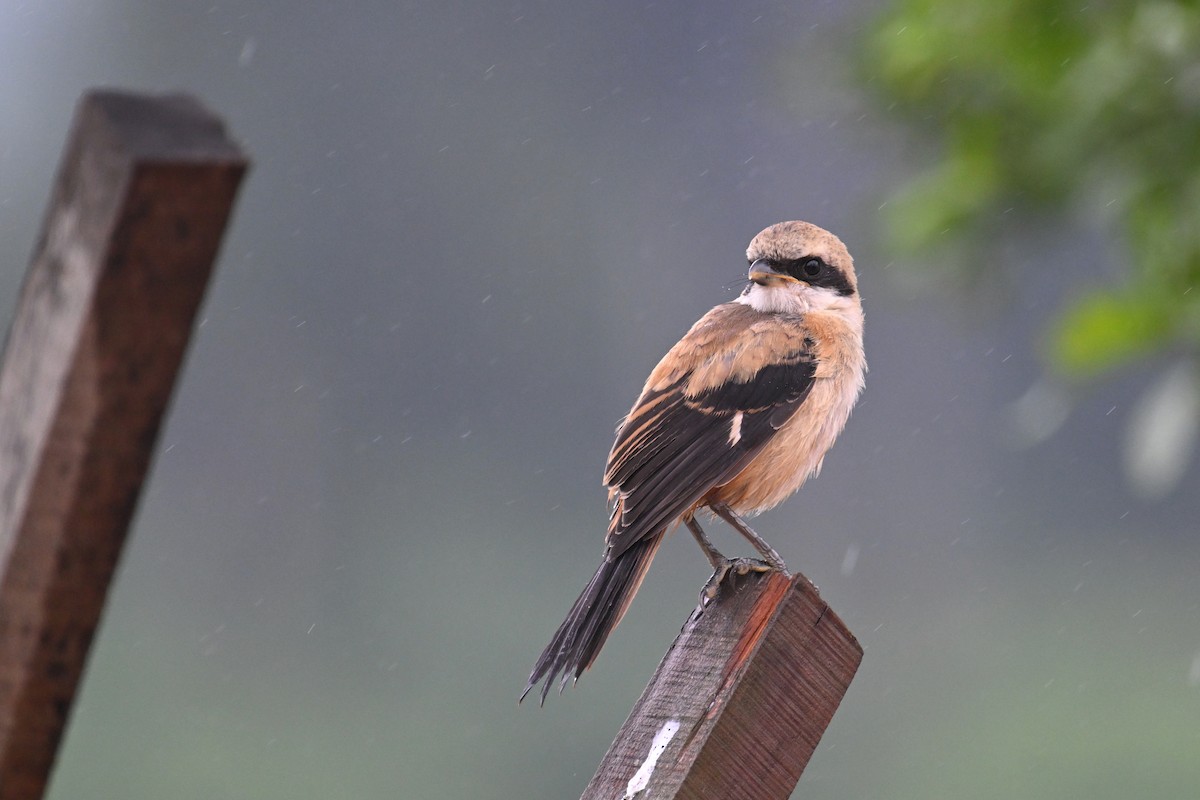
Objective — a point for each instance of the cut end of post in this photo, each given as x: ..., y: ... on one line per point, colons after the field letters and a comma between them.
x: 169, y: 127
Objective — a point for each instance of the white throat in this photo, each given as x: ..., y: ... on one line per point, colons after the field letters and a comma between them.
x: 798, y: 298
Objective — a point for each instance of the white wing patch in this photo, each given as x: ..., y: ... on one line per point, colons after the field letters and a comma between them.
x: 735, y: 428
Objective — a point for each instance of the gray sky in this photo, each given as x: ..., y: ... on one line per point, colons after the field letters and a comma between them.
x: 470, y: 231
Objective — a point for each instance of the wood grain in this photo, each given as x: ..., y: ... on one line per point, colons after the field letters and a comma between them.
x: 142, y: 197
x: 739, y: 702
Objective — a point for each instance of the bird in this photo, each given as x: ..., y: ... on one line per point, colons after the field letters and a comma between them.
x: 732, y: 421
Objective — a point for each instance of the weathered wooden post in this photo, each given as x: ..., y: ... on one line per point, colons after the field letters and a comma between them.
x: 740, y: 701
x: 142, y: 197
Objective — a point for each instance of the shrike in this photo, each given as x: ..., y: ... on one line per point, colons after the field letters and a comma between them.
x: 733, y: 420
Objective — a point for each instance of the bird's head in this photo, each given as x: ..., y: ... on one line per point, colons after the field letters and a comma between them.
x: 798, y: 266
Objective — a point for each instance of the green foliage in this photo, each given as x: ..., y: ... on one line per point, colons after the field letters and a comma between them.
x: 1044, y: 103
x: 1102, y: 328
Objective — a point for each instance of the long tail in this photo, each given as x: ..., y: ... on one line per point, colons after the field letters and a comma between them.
x: 599, y: 608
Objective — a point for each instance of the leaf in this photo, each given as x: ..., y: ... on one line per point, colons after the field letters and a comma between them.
x: 1103, y: 329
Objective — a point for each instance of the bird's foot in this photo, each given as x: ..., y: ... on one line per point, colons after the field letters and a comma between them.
x: 731, y: 569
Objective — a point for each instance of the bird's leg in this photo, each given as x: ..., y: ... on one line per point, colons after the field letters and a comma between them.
x: 713, y: 555
x: 726, y: 513
x: 722, y: 566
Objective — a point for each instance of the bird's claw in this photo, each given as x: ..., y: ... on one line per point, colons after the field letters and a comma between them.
x: 731, y: 569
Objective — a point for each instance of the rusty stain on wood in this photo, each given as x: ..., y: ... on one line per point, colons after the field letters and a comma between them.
x: 766, y: 606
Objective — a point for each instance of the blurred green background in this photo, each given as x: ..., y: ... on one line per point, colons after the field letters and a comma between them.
x: 470, y: 231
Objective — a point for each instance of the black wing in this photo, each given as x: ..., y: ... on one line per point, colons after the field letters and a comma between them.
x: 673, y: 448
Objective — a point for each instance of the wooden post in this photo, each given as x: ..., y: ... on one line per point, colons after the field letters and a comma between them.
x: 141, y: 200
x: 740, y: 701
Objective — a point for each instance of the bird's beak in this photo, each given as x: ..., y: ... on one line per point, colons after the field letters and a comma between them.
x: 763, y: 273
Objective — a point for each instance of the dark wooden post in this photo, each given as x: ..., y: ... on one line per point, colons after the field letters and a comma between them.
x: 137, y: 213
x: 740, y: 701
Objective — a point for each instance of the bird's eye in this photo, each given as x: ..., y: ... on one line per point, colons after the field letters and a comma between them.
x: 812, y: 267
